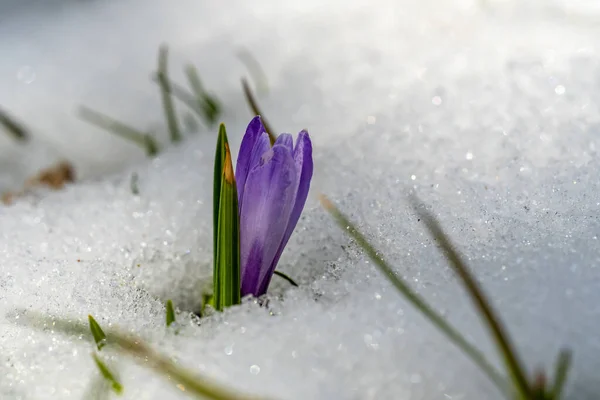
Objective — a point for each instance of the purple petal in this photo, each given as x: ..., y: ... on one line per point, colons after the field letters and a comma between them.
x: 304, y: 168
x: 269, y: 196
x: 261, y: 146
x: 242, y: 167
x: 286, y: 140
x: 251, y: 272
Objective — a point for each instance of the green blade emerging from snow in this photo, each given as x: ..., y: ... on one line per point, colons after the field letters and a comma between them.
x: 142, y: 139
x: 170, y: 313
x: 99, y: 336
x: 226, y: 268
x: 219, y: 160
x: 197, y: 385
x: 563, y: 363
x: 207, y: 104
x: 253, y: 104
x: 485, y: 310
x: 256, y: 72
x: 414, y: 298
x: 165, y: 91
x: 108, y: 374
x: 13, y: 127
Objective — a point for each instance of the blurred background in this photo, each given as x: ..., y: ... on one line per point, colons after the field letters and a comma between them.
x: 61, y: 54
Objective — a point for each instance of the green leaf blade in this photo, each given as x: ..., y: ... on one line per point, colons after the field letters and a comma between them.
x: 124, y: 131
x: 133, y: 184
x: 170, y: 317
x: 198, y: 385
x: 253, y: 104
x: 485, y: 310
x: 165, y: 91
x: 256, y: 71
x: 414, y: 298
x: 207, y: 104
x: 97, y: 333
x: 108, y: 374
x: 14, y: 128
x: 561, y: 370
x: 227, y: 258
x: 219, y: 162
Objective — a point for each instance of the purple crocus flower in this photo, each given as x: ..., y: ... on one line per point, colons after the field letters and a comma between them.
x: 272, y: 186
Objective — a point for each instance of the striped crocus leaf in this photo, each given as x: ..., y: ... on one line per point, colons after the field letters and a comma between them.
x: 226, y: 268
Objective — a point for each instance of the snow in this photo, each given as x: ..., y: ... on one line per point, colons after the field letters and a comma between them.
x: 488, y: 110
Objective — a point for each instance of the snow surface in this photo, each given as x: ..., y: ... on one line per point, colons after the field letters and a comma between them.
x: 488, y: 110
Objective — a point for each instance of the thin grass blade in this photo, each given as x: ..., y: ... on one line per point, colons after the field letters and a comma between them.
x: 152, y: 148
x: 120, y: 129
x: 134, y: 184
x: 181, y: 93
x: 208, y: 299
x: 255, y: 70
x: 170, y: 317
x: 415, y: 299
x: 253, y: 104
x: 207, y: 103
x: 190, y: 123
x: 561, y: 370
x: 16, y: 129
x: 108, y: 375
x: 165, y: 90
x: 97, y: 333
x: 212, y: 108
x: 286, y: 277
x: 486, y: 312
x: 199, y: 386
x: 539, y: 386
